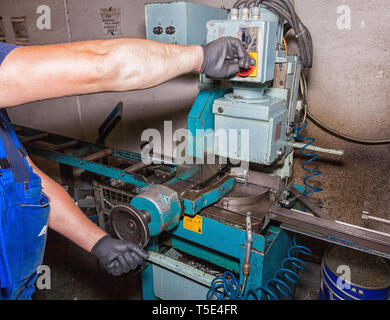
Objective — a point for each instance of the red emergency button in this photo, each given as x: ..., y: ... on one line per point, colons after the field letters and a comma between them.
x: 246, y: 72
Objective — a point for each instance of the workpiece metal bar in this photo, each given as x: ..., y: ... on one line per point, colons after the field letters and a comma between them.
x: 317, y: 211
x: 333, y: 231
x: 180, y: 268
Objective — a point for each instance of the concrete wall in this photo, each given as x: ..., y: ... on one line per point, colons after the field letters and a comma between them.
x: 348, y: 90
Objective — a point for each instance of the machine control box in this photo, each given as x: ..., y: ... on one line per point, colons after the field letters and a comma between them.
x: 259, y: 37
x: 180, y: 22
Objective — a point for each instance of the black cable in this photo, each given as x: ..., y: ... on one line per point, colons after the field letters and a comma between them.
x: 250, y: 3
x: 238, y: 3
x: 287, y: 27
x: 320, y: 124
x: 285, y: 9
x: 344, y: 136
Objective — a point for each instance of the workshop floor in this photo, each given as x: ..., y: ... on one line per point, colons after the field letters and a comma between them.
x: 76, y: 275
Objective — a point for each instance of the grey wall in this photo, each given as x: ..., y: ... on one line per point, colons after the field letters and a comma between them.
x: 348, y: 90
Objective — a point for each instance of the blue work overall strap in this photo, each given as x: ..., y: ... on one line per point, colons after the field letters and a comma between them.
x: 24, y: 212
x: 14, y: 152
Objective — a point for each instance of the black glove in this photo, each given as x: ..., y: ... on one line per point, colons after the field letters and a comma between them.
x: 118, y: 256
x: 224, y: 58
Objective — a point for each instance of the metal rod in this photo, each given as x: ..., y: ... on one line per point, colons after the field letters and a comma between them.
x: 376, y: 219
x: 139, y: 165
x: 99, y: 155
x: 43, y: 144
x: 93, y: 157
x: 135, y: 167
x: 318, y: 212
x: 34, y: 137
x: 298, y: 145
x: 66, y: 145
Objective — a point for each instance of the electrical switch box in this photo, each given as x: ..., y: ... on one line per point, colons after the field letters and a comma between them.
x: 180, y: 22
x: 259, y: 38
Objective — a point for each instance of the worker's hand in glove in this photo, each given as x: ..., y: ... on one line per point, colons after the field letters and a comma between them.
x: 118, y: 256
x: 224, y: 58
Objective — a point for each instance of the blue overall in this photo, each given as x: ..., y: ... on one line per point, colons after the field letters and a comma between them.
x: 24, y: 211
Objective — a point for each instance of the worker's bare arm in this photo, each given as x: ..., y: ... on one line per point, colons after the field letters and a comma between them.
x: 65, y: 216
x: 41, y: 72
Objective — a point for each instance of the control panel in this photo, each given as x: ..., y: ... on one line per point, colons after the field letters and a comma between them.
x: 259, y: 37
x: 180, y: 22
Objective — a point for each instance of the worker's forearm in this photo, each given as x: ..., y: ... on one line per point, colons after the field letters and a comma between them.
x: 139, y: 64
x: 42, y: 72
x: 66, y: 218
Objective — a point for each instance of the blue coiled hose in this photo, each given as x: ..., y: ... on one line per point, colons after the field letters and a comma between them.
x: 280, y: 283
x: 284, y: 277
x: 313, y: 173
x: 229, y: 283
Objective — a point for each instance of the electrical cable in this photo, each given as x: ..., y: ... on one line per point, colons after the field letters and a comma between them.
x: 316, y: 121
x: 238, y: 3
x: 285, y: 45
x: 285, y: 9
x: 250, y: 3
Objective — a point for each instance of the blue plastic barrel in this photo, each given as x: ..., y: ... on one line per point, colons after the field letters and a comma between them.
x: 348, y: 274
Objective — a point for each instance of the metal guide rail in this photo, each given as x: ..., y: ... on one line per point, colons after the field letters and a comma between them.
x: 106, y: 161
x: 341, y: 233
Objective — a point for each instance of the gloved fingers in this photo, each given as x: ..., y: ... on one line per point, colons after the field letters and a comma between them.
x: 133, y: 263
x: 244, y: 63
x: 138, y: 250
x: 237, y: 48
x: 124, y: 264
x: 136, y: 258
x: 232, y: 70
x: 115, y: 270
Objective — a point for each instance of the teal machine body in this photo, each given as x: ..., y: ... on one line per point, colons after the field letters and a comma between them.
x: 196, y: 235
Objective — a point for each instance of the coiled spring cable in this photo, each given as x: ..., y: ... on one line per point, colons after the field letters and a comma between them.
x: 284, y: 278
x: 311, y: 156
x: 226, y: 287
x: 229, y: 285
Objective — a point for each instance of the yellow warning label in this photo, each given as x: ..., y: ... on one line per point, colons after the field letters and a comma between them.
x: 193, y: 224
x: 254, y: 55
